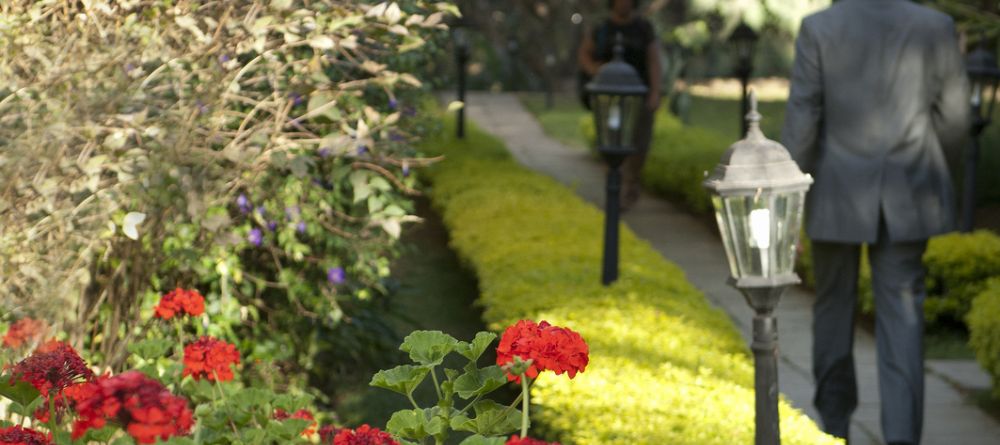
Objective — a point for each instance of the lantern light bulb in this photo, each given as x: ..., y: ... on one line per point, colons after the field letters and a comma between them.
x: 760, y: 228
x: 615, y: 117
x: 977, y: 94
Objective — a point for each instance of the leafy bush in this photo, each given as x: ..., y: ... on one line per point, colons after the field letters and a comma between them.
x: 984, y: 330
x: 259, y: 149
x: 665, y: 366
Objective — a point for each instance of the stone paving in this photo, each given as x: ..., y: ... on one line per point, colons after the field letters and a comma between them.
x: 950, y: 417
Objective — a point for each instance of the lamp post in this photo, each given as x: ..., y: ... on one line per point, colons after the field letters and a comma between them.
x: 744, y: 42
x: 617, y: 95
x: 984, y: 75
x: 758, y: 193
x: 461, y: 41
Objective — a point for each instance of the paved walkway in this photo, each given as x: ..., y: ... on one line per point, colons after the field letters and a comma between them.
x: 951, y: 419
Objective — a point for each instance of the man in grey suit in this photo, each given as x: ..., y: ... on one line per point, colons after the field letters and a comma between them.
x: 878, y: 109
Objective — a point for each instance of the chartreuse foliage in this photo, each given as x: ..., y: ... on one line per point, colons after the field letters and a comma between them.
x: 984, y: 330
x: 666, y: 367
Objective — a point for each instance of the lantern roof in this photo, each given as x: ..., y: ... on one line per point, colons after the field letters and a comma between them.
x: 617, y: 77
x: 982, y: 63
x: 756, y: 163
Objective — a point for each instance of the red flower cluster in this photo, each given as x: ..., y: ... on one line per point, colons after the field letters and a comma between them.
x: 179, y: 302
x: 303, y: 414
x: 16, y: 435
x: 54, y: 367
x: 210, y: 358
x: 551, y: 348
x: 516, y: 440
x: 25, y: 330
x: 363, y: 435
x: 141, y: 405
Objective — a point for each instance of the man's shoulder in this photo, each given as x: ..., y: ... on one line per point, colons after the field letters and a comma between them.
x: 903, y: 9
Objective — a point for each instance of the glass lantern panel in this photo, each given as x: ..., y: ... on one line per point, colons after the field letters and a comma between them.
x: 615, y: 119
x: 984, y: 90
x: 760, y: 232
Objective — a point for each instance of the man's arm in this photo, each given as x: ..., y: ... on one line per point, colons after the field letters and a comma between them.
x: 804, y: 112
x: 951, y: 109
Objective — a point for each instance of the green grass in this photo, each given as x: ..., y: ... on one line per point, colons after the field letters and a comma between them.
x: 722, y: 116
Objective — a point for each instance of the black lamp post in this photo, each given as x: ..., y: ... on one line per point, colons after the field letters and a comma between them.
x: 984, y: 76
x: 461, y: 40
x: 758, y: 193
x: 744, y: 42
x: 617, y: 95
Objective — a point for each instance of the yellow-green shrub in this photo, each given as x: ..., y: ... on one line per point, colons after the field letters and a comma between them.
x: 984, y: 330
x: 666, y: 367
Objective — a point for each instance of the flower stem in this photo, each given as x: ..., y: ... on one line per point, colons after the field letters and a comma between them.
x: 524, y: 406
x: 413, y: 402
x: 437, y: 386
x: 52, y: 414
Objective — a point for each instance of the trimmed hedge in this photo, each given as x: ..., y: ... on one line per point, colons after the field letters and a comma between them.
x: 666, y: 367
x: 984, y: 330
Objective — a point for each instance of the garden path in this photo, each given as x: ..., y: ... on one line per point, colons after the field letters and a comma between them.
x: 951, y: 417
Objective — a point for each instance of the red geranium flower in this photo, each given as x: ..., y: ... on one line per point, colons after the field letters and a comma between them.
x: 210, y: 358
x: 326, y: 434
x: 517, y: 440
x: 141, y: 405
x: 16, y: 435
x: 363, y: 435
x: 303, y: 414
x: 179, y: 302
x: 25, y: 330
x: 550, y: 348
x: 52, y: 368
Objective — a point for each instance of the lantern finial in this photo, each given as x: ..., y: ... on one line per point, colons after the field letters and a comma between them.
x: 754, y: 117
x: 619, y: 49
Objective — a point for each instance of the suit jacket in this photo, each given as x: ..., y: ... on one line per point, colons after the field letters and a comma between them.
x: 878, y: 110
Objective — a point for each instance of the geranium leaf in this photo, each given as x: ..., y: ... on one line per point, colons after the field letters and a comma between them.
x: 480, y: 382
x: 480, y: 440
x: 474, y: 350
x: 151, y: 348
x: 402, y: 379
x: 493, y: 419
x: 428, y: 348
x: 415, y: 424
x: 18, y: 391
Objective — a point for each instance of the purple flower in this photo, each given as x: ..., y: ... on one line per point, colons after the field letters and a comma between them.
x: 261, y: 211
x: 335, y: 275
x: 202, y: 108
x: 129, y: 67
x: 395, y: 137
x: 243, y: 203
x: 301, y: 227
x: 297, y: 98
x: 292, y: 212
x: 393, y: 104
x: 324, y: 152
x: 362, y: 149
x: 255, y: 237
x: 406, y: 169
x: 409, y: 111
x: 272, y: 226
x: 224, y: 58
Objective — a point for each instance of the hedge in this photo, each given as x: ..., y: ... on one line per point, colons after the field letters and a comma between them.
x: 984, y: 330
x: 666, y: 367
x: 957, y: 264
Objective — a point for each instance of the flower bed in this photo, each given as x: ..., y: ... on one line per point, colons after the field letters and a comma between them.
x: 665, y: 367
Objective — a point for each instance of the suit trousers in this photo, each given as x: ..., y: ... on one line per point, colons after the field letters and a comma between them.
x: 898, y: 287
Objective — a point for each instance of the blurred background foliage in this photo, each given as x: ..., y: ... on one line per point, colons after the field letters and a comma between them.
x: 259, y: 151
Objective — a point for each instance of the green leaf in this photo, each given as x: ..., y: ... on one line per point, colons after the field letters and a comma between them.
x: 151, y: 348
x: 480, y: 440
x: 416, y: 424
x: 124, y: 440
x: 20, y: 392
x: 492, y: 419
x: 359, y: 183
x: 474, y: 350
x: 428, y: 347
x: 480, y: 382
x: 402, y: 379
